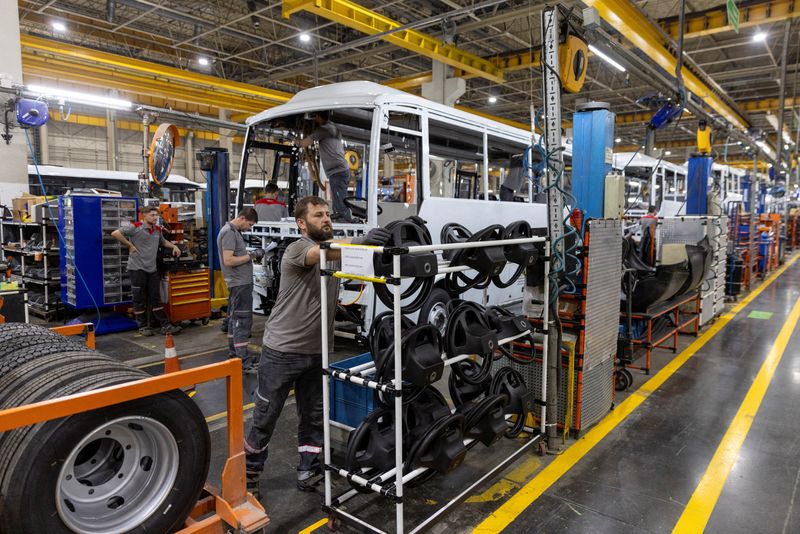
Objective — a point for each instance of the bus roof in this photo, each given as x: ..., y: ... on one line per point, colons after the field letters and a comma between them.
x: 635, y: 159
x: 71, y: 172
x: 367, y: 95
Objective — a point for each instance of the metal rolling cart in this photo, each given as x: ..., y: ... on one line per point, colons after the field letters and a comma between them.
x: 390, y: 484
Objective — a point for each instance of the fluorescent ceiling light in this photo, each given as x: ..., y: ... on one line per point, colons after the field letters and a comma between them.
x: 759, y: 37
x: 203, y: 61
x: 75, y: 97
x: 606, y: 58
x: 492, y: 99
x: 305, y: 37
x: 667, y: 153
x: 59, y: 26
x: 618, y: 140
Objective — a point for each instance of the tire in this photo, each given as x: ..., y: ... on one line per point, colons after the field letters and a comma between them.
x: 158, y: 445
x: 11, y: 331
x: 434, y: 310
x: 15, y: 353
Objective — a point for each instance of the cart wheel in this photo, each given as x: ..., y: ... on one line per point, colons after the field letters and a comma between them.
x: 542, y: 448
x: 205, y: 320
x: 629, y: 376
x: 333, y: 523
x: 621, y: 380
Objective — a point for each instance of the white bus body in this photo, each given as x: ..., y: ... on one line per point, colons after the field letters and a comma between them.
x: 440, y: 163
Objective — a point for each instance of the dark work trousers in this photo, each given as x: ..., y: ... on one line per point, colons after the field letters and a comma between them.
x: 278, y: 373
x: 146, y: 289
x: 338, y: 182
x: 240, y: 321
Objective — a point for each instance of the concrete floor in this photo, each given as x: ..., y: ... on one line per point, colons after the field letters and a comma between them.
x: 637, y: 478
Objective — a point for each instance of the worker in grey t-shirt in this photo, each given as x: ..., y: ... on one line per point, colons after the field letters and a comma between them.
x: 291, y: 355
x: 331, y: 154
x: 237, y: 270
x: 143, y: 240
x: 270, y: 208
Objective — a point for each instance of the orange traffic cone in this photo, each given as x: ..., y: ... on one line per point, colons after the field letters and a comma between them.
x: 173, y: 364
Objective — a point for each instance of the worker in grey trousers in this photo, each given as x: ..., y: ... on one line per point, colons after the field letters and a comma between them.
x: 143, y: 240
x: 331, y: 155
x: 291, y: 357
x: 237, y: 270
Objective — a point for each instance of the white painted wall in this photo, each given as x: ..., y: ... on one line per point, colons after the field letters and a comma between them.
x: 14, y: 172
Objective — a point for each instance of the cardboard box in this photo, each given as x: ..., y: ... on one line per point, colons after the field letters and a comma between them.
x: 21, y: 206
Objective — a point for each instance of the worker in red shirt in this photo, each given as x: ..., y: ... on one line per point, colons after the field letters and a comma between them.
x: 270, y: 208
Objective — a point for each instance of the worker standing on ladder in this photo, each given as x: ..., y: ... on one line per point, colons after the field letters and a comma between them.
x: 143, y: 240
x: 292, y: 353
x: 237, y: 270
x: 331, y: 155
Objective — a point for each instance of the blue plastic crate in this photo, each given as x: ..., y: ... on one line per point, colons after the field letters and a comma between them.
x: 350, y: 403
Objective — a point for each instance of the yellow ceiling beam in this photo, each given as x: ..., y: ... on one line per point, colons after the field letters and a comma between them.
x: 631, y: 23
x: 369, y: 22
x: 40, y: 45
x: 715, y: 20
x: 100, y: 122
x: 509, y: 62
x: 103, y: 76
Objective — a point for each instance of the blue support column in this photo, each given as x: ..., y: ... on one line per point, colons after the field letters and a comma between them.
x: 592, y: 149
x: 697, y: 189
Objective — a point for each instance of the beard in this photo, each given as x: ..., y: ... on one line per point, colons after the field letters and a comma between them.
x: 319, y: 233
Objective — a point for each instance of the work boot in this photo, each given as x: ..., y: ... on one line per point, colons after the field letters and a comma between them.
x: 308, y: 473
x: 170, y: 329
x: 145, y: 331
x: 249, y: 369
x: 253, y: 485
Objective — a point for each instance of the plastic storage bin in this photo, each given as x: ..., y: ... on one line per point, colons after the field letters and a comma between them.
x: 350, y: 403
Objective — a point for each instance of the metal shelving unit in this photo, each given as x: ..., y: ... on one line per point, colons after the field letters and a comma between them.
x: 39, y: 272
x: 94, y: 264
x: 390, y: 484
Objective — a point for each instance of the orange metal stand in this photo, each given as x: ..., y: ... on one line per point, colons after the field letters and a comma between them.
x: 676, y: 309
x: 217, y: 511
x: 81, y: 329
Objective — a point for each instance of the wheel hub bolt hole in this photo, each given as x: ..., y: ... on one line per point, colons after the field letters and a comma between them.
x: 115, y: 502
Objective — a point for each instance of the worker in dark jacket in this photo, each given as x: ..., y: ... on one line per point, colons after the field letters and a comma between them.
x: 270, y: 208
x: 143, y: 240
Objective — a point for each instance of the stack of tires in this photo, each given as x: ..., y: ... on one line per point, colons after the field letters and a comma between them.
x: 137, y: 466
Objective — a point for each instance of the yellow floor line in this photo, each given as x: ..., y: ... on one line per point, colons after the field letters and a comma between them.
x: 220, y: 415
x: 697, y: 513
x: 315, y: 526
x: 504, y: 515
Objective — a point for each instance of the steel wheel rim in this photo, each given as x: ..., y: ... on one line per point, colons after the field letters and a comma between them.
x: 117, y: 476
x: 437, y: 316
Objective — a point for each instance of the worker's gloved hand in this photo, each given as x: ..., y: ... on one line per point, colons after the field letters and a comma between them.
x: 257, y: 254
x: 376, y: 237
x: 176, y: 252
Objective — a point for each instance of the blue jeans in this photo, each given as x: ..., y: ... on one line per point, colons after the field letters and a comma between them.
x: 338, y: 182
x: 278, y: 373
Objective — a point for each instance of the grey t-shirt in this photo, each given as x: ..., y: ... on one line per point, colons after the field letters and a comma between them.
x: 295, y: 324
x: 230, y: 238
x: 271, y: 210
x: 146, y: 240
x: 331, y: 151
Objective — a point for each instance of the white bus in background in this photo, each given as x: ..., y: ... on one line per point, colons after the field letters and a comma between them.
x: 408, y: 156
x: 729, y: 180
x: 652, y: 182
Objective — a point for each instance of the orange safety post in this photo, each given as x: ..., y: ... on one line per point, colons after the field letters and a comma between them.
x: 172, y: 364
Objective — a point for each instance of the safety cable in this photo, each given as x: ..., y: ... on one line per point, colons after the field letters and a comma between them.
x: 58, y: 230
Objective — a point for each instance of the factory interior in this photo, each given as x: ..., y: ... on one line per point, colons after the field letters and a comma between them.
x: 461, y: 266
